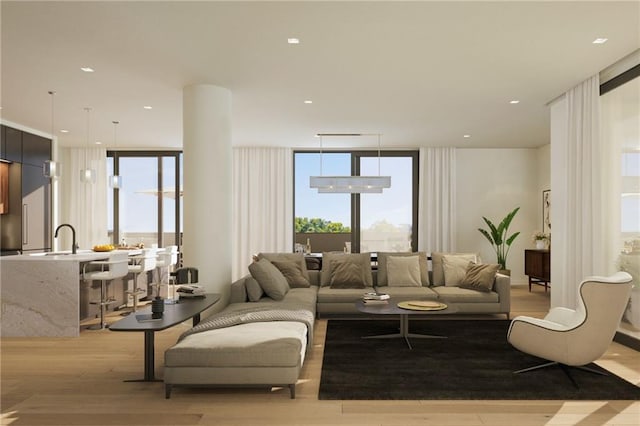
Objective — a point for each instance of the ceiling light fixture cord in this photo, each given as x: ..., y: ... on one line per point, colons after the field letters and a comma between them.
x: 86, y: 146
x: 321, y: 156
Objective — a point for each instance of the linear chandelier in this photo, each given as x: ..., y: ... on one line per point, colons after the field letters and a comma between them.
x: 349, y: 184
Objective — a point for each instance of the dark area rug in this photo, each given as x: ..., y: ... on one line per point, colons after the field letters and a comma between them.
x: 475, y: 362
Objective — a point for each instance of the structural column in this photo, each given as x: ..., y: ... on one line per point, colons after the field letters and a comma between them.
x: 207, y: 184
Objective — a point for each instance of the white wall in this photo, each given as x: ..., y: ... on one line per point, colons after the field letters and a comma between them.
x: 491, y: 183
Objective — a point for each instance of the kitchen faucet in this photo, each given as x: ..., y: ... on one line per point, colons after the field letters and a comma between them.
x: 73, y: 231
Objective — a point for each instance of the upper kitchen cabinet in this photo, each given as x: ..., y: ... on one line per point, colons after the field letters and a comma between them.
x: 11, y: 146
x: 35, y: 149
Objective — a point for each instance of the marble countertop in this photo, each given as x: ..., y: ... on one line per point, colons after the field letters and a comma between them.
x: 64, y: 256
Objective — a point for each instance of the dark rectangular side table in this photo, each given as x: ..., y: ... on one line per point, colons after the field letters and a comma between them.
x: 173, y: 314
x: 537, y: 265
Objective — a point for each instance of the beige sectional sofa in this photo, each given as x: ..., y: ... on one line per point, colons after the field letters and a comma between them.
x: 271, y: 352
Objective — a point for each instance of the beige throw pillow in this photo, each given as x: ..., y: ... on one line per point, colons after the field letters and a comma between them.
x: 436, y: 265
x: 270, y: 279
x: 346, y: 274
x: 455, y: 269
x: 480, y: 277
x: 382, y: 266
x: 403, y: 271
x: 363, y: 259
x: 254, y: 291
x: 293, y: 273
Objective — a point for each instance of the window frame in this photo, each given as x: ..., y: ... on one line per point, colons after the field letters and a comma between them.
x: 117, y: 155
x: 356, y: 155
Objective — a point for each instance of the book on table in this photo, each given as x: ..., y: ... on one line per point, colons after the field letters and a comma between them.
x: 375, y: 302
x: 375, y: 296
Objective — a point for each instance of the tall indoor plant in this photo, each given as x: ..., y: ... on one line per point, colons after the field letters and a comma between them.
x: 497, y: 236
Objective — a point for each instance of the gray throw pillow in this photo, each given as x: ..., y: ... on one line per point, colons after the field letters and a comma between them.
x: 363, y: 259
x: 270, y: 279
x: 383, y: 275
x: 480, y: 277
x: 346, y: 274
x: 254, y: 291
x: 403, y: 271
x: 436, y: 265
x: 288, y: 257
x: 293, y: 273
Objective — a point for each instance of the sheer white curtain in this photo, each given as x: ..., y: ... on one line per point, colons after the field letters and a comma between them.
x: 437, y: 200
x: 84, y: 205
x: 262, y: 194
x: 579, y: 204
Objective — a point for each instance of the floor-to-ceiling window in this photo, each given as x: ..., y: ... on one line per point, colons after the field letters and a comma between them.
x: 359, y: 222
x: 147, y: 207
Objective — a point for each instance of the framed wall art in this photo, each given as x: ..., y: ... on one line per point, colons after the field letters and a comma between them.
x: 546, y: 211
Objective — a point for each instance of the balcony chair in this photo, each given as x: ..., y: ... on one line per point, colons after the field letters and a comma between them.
x: 142, y: 263
x: 115, y: 267
x: 574, y: 338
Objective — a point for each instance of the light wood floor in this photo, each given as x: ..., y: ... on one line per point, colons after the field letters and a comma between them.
x: 78, y: 381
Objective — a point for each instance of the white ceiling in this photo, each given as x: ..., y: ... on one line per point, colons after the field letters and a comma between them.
x: 421, y: 73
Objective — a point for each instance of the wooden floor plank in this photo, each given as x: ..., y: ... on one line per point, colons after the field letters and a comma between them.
x: 79, y: 381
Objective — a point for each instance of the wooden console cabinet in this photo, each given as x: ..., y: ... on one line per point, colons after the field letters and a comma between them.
x: 537, y: 265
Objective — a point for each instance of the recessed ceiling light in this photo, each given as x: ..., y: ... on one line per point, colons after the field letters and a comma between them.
x: 308, y: 101
x: 600, y: 40
x: 293, y: 41
x: 87, y: 69
x: 98, y: 143
x: 64, y: 131
x: 147, y: 107
x: 466, y: 136
x: 515, y: 101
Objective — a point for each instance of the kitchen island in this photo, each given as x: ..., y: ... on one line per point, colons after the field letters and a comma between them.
x: 40, y: 294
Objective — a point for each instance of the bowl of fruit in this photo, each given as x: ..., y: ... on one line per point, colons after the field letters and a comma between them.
x: 104, y: 247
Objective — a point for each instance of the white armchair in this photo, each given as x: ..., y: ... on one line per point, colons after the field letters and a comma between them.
x: 568, y: 337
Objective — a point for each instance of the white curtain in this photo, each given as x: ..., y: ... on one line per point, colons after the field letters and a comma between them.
x: 84, y: 205
x: 437, y: 200
x: 262, y: 198
x: 582, y: 208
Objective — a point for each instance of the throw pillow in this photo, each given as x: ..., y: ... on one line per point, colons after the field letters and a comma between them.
x: 346, y: 274
x: 363, y: 259
x: 480, y: 277
x: 270, y: 279
x: 455, y: 268
x: 403, y: 271
x: 293, y: 273
x: 382, y: 266
x: 436, y: 263
x: 254, y: 291
x: 288, y: 257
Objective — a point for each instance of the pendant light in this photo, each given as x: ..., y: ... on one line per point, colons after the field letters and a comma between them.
x: 87, y: 175
x: 51, y: 168
x: 115, y: 181
x: 349, y: 184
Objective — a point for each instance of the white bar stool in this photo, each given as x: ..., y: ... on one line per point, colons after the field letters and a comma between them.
x: 166, y: 259
x: 143, y: 263
x: 118, y: 267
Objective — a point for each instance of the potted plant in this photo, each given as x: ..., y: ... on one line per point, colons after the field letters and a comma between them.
x: 541, y: 239
x: 497, y: 236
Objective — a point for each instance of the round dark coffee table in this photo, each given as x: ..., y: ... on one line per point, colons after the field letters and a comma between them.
x: 392, y: 308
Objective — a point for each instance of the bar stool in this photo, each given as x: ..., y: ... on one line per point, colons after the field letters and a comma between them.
x: 145, y: 262
x: 166, y: 259
x: 118, y: 267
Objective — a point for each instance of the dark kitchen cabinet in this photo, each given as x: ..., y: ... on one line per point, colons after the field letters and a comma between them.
x: 11, y: 144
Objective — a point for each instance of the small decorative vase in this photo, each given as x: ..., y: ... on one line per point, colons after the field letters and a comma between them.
x: 540, y: 244
x: 157, y: 307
